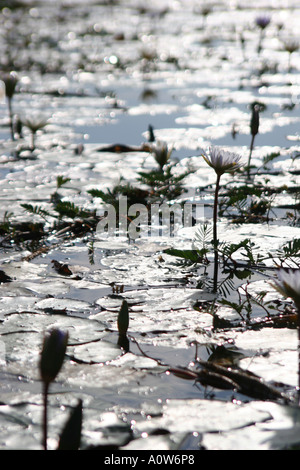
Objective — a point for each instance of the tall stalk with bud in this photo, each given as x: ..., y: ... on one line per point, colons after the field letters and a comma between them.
x: 10, y: 82
x: 262, y: 22
x: 254, y: 128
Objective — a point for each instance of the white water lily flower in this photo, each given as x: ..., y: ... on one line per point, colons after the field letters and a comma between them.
x: 288, y: 284
x: 222, y: 161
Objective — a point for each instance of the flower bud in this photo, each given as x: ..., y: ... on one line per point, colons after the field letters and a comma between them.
x: 52, y: 355
x: 254, y: 124
x: 10, y: 82
x: 262, y: 21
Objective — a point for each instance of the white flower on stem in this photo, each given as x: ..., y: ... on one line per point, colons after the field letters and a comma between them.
x: 288, y: 284
x: 222, y: 161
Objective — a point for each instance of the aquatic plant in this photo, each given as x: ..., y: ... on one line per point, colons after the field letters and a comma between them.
x: 51, y: 361
x: 205, y: 11
x: 247, y: 203
x: 123, y: 323
x: 161, y: 153
x: 288, y: 285
x: 71, y: 435
x: 164, y: 183
x: 151, y: 135
x: 222, y: 162
x: 34, y: 124
x: 290, y: 46
x: 10, y: 82
x: 254, y: 128
x: 262, y: 22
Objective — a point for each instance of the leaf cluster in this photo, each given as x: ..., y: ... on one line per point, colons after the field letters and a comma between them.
x: 164, y: 184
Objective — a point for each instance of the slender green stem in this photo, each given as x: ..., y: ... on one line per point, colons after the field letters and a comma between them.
x: 250, y: 155
x: 45, y: 414
x: 261, y: 36
x: 11, y: 119
x: 215, y: 235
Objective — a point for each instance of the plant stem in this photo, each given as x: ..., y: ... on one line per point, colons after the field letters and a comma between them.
x: 250, y: 155
x: 289, y: 64
x: 261, y: 36
x: 11, y: 119
x: 298, y: 347
x: 45, y: 414
x: 215, y: 236
x: 32, y: 140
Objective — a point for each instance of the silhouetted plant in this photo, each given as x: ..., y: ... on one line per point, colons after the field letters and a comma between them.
x: 123, y: 323
x: 70, y: 437
x: 51, y: 361
x: 254, y: 128
x: 34, y: 125
x: 205, y: 11
x: 262, y: 22
x: 290, y: 46
x: 164, y: 184
x: 10, y: 82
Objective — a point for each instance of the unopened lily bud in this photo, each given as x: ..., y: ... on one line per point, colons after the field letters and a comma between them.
x: 53, y: 353
x: 254, y: 124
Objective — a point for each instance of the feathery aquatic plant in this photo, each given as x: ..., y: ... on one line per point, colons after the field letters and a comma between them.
x: 161, y: 153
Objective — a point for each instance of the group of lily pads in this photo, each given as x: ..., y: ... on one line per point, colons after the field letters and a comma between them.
x: 96, y: 358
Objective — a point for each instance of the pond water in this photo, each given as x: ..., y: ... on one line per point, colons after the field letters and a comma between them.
x: 96, y: 79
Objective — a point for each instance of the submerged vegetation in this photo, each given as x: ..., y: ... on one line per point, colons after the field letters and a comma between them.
x: 127, y: 258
